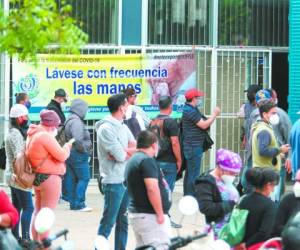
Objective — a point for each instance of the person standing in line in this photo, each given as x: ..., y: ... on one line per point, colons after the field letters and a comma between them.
x: 150, y: 195
x: 23, y: 98
x: 78, y: 170
x: 115, y: 145
x: 21, y: 198
x: 194, y: 126
x: 169, y: 155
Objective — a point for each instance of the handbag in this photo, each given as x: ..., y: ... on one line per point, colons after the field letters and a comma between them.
x: 233, y: 232
x: 208, y: 142
x: 8, y: 241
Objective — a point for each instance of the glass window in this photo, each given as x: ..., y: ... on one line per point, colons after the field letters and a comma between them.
x: 253, y: 22
x: 179, y: 22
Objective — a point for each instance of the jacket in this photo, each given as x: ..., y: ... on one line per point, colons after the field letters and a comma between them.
x: 210, y: 200
x: 45, y: 146
x: 55, y: 106
x: 6, y: 207
x: 113, y: 136
x: 75, y: 127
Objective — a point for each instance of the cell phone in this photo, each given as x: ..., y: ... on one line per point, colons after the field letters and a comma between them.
x: 71, y: 141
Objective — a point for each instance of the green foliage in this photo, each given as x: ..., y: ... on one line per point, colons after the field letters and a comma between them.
x: 32, y: 25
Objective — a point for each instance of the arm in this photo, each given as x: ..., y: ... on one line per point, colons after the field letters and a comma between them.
x: 264, y: 231
x: 8, y: 215
x: 77, y: 132
x: 17, y: 143
x: 205, y: 124
x: 177, y: 151
x: 154, y: 197
x: 264, y: 140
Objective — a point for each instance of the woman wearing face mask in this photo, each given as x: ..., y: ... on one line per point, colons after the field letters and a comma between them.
x: 261, y: 217
x: 215, y: 191
x: 47, y: 158
x: 288, y: 207
x: 21, y: 198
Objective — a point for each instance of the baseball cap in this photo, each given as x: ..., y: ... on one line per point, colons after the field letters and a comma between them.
x: 191, y: 93
x: 18, y: 110
x: 61, y: 93
x: 253, y: 88
x: 262, y: 95
x: 49, y: 118
x: 228, y: 160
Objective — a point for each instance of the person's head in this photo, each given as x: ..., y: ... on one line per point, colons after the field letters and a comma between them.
x: 262, y: 179
x: 194, y: 97
x: 147, y: 140
x: 262, y: 96
x: 290, y: 234
x: 165, y: 104
x: 117, y: 105
x: 229, y: 165
x: 131, y: 95
x: 268, y: 112
x: 18, y: 115
x: 296, y: 187
x: 60, y: 96
x: 50, y: 120
x: 251, y: 92
x: 23, y: 98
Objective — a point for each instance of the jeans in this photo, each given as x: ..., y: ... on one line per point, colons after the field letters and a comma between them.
x: 115, y: 212
x: 170, y: 172
x: 22, y: 201
x: 193, y: 156
x: 77, y: 179
x: 248, y: 188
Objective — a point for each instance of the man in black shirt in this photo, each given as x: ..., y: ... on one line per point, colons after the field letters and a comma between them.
x: 56, y: 103
x: 150, y: 195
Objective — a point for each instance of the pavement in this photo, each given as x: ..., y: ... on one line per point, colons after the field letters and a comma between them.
x: 83, y: 226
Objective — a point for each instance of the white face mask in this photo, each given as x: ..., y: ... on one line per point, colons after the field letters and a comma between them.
x: 54, y: 132
x: 274, y: 119
x: 228, y: 179
x: 296, y: 189
x: 63, y: 105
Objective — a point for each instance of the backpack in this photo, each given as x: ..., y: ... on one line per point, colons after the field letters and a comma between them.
x: 156, y: 126
x: 133, y: 125
x: 23, y: 171
x: 61, y: 134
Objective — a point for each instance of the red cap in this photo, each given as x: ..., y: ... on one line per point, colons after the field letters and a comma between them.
x: 191, y: 93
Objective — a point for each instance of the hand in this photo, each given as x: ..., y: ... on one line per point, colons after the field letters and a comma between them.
x: 285, y: 148
x: 178, y: 164
x: 288, y: 165
x: 160, y: 218
x: 216, y: 111
x: 110, y: 157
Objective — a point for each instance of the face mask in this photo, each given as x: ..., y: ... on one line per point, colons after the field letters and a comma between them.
x: 54, y: 132
x: 63, y: 105
x: 227, y: 179
x: 296, y: 189
x: 274, y: 119
x: 27, y: 104
x: 200, y: 103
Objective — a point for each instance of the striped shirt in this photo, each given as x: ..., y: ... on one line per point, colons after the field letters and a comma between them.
x: 192, y: 134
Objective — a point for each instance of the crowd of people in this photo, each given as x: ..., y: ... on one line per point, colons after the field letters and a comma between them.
x: 140, y: 160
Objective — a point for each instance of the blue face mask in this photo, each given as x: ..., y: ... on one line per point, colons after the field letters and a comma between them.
x: 27, y: 104
x: 200, y: 103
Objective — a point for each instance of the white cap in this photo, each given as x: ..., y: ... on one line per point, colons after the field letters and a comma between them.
x: 18, y: 110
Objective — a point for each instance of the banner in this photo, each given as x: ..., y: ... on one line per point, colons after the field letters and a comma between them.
x: 94, y: 78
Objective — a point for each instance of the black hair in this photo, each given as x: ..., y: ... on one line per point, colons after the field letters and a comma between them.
x: 259, y: 177
x: 145, y: 139
x: 20, y: 97
x: 115, y: 101
x: 14, y: 124
x: 129, y: 91
x: 251, y: 97
x: 290, y: 234
x: 266, y: 106
x: 164, y: 102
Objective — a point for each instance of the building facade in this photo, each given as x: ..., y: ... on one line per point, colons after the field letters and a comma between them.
x: 236, y: 42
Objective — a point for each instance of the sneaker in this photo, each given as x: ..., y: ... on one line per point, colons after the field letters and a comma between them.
x: 85, y: 209
x: 175, y: 225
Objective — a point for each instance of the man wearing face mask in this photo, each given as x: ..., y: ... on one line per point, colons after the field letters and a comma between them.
x: 23, y: 98
x: 115, y: 145
x: 265, y: 149
x: 57, y: 103
x: 194, y: 125
x: 288, y: 207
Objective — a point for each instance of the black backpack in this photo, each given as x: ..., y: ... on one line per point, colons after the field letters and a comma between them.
x: 133, y: 125
x: 156, y: 126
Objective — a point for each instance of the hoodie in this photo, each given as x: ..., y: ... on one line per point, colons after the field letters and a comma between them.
x: 42, y: 145
x: 75, y: 127
x: 113, y: 136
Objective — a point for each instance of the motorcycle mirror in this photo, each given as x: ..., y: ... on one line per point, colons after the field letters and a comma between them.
x: 44, y: 220
x: 188, y: 205
x: 101, y: 243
